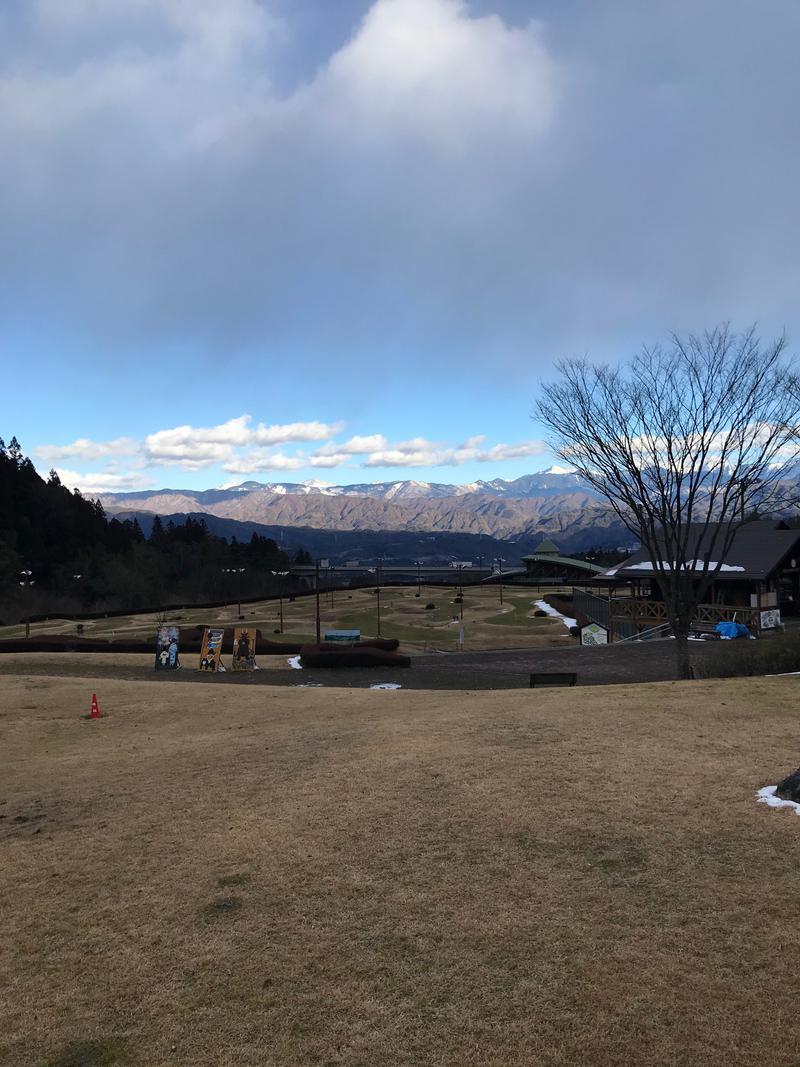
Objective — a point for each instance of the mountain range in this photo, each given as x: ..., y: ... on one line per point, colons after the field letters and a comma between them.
x: 552, y: 503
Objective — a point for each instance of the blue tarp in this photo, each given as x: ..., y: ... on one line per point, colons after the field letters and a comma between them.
x: 731, y: 630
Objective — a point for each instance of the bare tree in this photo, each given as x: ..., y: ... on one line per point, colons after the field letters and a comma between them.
x: 701, y: 431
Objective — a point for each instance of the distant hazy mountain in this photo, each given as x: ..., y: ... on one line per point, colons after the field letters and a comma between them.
x: 546, y: 483
x: 552, y: 503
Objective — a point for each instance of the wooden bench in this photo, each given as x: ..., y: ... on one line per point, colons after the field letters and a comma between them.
x: 567, y: 678
x: 705, y: 631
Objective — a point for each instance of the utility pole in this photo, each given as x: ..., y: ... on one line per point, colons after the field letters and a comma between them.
x: 419, y: 578
x: 280, y: 609
x: 378, y: 593
x: 316, y: 593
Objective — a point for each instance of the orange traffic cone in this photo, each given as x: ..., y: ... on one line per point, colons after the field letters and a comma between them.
x: 95, y: 712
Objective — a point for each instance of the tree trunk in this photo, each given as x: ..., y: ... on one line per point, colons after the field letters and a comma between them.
x: 684, y: 666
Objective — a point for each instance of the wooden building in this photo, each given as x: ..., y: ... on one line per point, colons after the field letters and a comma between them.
x: 757, y: 584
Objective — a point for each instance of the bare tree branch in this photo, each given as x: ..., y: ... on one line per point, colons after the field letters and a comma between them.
x: 685, y: 443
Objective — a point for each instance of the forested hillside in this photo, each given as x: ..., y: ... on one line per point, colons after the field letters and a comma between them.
x: 81, y: 561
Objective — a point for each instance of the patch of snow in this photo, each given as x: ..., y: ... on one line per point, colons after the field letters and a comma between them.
x: 559, y: 470
x: 767, y: 796
x: 294, y: 663
x: 611, y: 573
x: 307, y: 685
x: 690, y: 565
x: 545, y: 607
x: 386, y: 685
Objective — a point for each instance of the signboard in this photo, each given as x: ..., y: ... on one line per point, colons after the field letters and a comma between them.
x: 342, y: 635
x: 244, y: 649
x: 211, y: 650
x: 167, y: 642
x: 771, y: 619
x: 594, y: 634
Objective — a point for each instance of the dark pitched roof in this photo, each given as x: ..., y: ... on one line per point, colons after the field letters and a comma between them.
x: 758, y: 549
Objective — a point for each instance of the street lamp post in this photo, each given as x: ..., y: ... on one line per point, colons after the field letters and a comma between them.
x: 316, y: 594
x: 460, y: 569
x: 26, y: 580
x: 238, y: 571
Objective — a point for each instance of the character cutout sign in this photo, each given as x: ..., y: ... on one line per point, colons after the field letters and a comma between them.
x: 211, y: 650
x: 244, y: 649
x: 167, y: 641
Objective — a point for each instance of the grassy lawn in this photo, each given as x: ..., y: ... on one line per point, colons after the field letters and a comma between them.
x: 518, y: 612
x: 403, y: 616
x: 273, y: 876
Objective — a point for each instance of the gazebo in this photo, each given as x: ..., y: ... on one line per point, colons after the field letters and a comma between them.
x: 547, y: 566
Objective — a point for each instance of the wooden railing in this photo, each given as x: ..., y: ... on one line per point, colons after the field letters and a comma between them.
x: 646, y: 613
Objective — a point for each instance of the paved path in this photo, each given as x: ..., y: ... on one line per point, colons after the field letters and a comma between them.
x: 650, y: 661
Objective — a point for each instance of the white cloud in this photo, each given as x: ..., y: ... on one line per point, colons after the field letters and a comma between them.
x: 428, y: 69
x: 104, y: 482
x: 422, y: 453
x: 295, y: 431
x: 238, y: 447
x: 195, y: 447
x: 501, y: 453
x: 161, y: 122
x: 355, y: 446
x: 261, y: 460
x: 83, y: 448
x: 330, y: 459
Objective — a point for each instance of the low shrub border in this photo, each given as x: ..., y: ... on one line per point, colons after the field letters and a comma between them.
x: 743, y: 658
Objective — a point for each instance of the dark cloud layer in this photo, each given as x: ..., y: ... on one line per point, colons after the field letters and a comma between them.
x: 440, y: 178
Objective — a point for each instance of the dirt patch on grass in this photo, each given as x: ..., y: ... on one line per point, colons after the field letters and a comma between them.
x: 222, y: 908
x: 423, y: 878
x: 94, y: 1053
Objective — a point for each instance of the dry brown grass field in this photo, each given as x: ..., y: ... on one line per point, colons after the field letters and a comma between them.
x: 261, y: 876
x: 487, y: 623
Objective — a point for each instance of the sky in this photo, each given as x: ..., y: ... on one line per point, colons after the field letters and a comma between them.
x: 346, y: 240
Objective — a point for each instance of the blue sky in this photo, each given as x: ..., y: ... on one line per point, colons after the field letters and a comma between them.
x: 346, y: 240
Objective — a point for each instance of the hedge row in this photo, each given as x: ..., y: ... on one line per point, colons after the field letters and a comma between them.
x: 357, y: 656
x: 191, y: 641
x: 768, y: 655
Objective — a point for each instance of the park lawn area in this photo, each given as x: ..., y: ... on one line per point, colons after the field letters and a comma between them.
x: 262, y: 876
x: 403, y: 616
x: 519, y: 612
